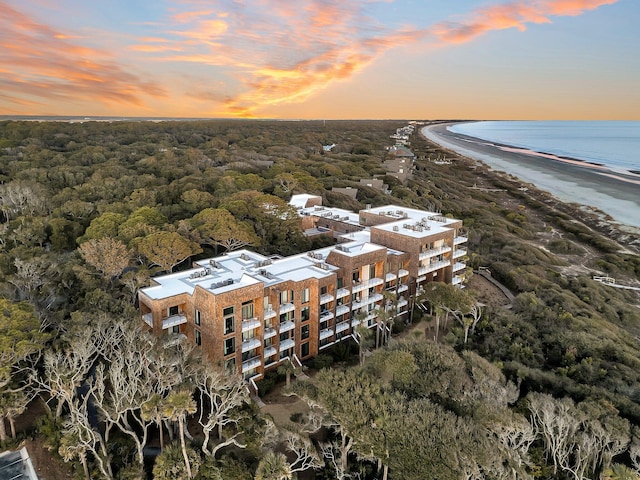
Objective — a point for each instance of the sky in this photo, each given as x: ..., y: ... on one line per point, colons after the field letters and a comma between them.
x: 322, y: 59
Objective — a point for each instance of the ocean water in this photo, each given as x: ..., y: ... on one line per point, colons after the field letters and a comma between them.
x: 614, y: 144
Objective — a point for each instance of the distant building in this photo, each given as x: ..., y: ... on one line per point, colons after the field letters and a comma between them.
x: 350, y: 192
x: 251, y: 312
x: 399, y: 162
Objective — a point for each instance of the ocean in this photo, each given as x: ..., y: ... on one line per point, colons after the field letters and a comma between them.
x: 613, y: 144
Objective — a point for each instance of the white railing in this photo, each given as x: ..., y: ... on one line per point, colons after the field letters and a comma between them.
x: 460, y: 239
x: 326, y: 315
x: 269, y: 332
x: 390, y: 277
x: 174, y: 320
x: 287, y: 307
x: 403, y: 273
x: 457, y: 280
x: 433, y: 252
x: 341, y: 327
x: 286, y: 326
x: 341, y: 310
x: 288, y: 343
x: 269, y: 351
x: 269, y: 313
x: 432, y: 267
x: 326, y: 333
x: 342, y: 292
x: 251, y: 364
x: 461, y: 252
x: 325, y: 298
x: 372, y: 282
x: 250, y: 324
x: 251, y: 344
x: 366, y: 301
x: 148, y: 318
x: 403, y: 288
x: 459, y: 266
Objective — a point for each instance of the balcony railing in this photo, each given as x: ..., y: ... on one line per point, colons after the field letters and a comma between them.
x: 251, y: 344
x: 287, y: 307
x: 342, y: 292
x: 403, y: 288
x: 326, y: 333
x: 457, y: 280
x: 325, y: 315
x: 325, y: 298
x: 251, y: 364
x: 403, y: 273
x: 174, y: 320
x: 459, y: 266
x: 459, y: 239
x: 286, y: 326
x: 269, y: 352
x: 269, y: 313
x: 432, y: 267
x: 148, y: 318
x: 250, y: 324
x: 433, y: 252
x: 372, y: 282
x: 366, y: 301
x: 269, y: 332
x: 341, y: 310
x: 461, y: 252
x: 389, y: 277
x: 341, y: 327
x: 288, y: 343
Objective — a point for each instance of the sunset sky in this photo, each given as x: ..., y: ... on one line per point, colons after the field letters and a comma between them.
x: 324, y: 59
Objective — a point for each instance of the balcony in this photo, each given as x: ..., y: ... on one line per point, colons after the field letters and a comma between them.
x: 432, y: 267
x: 269, y: 352
x: 403, y: 288
x: 325, y: 298
x: 250, y: 364
x: 269, y: 332
x: 326, y: 333
x: 372, y: 282
x: 421, y: 278
x: 269, y: 313
x: 433, y: 252
x: 459, y: 239
x: 251, y: 344
x: 403, y: 273
x: 285, y: 344
x: 250, y: 324
x: 325, y: 315
x: 286, y: 326
x: 341, y: 327
x: 457, y: 280
x: 174, y: 320
x: 342, y: 292
x: 287, y: 307
x: 459, y: 266
x: 366, y: 301
x: 341, y: 310
x: 461, y: 252
x: 389, y: 277
x: 148, y: 318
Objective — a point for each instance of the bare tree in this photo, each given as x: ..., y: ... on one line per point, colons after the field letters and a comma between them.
x: 107, y: 255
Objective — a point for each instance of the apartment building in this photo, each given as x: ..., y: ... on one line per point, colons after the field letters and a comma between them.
x: 251, y: 312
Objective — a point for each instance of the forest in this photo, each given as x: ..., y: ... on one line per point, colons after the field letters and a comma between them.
x: 545, y: 386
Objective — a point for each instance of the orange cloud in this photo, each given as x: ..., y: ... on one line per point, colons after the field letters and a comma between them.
x: 284, y: 52
x: 46, y: 64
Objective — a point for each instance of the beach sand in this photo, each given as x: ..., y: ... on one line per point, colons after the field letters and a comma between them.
x: 570, y: 180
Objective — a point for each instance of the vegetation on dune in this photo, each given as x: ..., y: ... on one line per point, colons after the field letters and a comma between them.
x: 548, y: 388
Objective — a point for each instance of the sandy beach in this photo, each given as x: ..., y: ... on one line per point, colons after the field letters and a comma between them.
x: 570, y: 180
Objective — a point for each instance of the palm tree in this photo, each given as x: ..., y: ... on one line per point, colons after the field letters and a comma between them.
x: 286, y: 369
x: 153, y: 410
x: 274, y: 466
x: 176, y: 407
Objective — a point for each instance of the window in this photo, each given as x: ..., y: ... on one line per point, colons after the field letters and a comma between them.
x: 372, y: 270
x: 304, y: 332
x: 340, y: 282
x: 173, y: 310
x: 323, y: 290
x: 247, y: 310
x: 284, y: 336
x: 198, y: 337
x: 284, y: 297
x: 285, y: 317
x: 304, y: 297
x: 229, y: 346
x: 305, y: 350
x: 230, y: 365
x: 196, y: 317
x: 175, y: 329
x: 355, y: 276
x: 229, y: 320
x: 305, y: 314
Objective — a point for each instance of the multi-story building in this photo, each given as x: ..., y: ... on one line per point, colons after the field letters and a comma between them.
x: 251, y: 312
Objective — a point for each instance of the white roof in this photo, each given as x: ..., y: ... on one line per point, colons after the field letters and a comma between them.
x: 300, y: 200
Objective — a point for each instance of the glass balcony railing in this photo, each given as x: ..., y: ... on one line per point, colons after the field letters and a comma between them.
x: 174, y: 320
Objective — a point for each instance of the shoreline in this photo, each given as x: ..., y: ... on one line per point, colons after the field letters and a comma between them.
x: 615, y: 193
